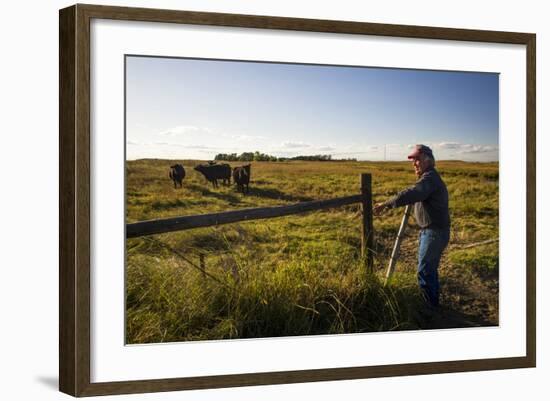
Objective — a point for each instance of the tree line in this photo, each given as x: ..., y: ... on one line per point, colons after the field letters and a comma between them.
x: 262, y: 157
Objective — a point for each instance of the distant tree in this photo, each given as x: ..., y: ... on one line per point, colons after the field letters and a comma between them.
x: 264, y: 157
x: 313, y: 158
x: 226, y: 157
x: 246, y: 157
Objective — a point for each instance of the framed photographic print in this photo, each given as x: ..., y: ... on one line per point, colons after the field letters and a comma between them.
x: 250, y: 200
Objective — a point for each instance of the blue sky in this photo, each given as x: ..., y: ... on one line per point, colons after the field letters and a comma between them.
x: 195, y: 109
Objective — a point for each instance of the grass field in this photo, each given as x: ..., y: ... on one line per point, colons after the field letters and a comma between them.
x: 301, y: 274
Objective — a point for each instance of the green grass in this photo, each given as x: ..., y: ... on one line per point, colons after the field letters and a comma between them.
x: 294, y: 275
x: 485, y: 262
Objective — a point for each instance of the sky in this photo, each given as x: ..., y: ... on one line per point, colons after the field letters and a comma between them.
x: 194, y: 109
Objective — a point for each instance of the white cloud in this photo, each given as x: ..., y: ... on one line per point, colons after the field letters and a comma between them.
x: 292, y: 145
x: 449, y: 145
x: 326, y: 148
x: 181, y: 145
x: 466, y: 148
x: 352, y: 153
x: 182, y: 130
x: 203, y: 147
x: 244, y: 137
x: 477, y: 149
x: 191, y: 130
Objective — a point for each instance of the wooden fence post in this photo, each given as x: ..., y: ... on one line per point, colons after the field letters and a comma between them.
x: 367, y: 238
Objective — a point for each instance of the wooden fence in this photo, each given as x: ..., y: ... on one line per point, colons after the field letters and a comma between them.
x: 160, y: 226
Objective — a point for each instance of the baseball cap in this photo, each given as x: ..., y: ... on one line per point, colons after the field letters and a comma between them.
x: 420, y: 149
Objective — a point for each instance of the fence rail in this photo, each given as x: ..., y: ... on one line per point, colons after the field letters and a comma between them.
x: 161, y: 226
x: 213, y: 219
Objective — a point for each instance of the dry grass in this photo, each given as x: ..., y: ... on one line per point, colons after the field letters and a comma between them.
x: 300, y: 274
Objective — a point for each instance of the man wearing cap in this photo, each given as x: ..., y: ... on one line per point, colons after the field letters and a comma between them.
x: 431, y: 211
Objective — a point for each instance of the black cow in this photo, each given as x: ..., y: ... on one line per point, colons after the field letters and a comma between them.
x: 215, y: 172
x: 177, y: 174
x: 241, y: 176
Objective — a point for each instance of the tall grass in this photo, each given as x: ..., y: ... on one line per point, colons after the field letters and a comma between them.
x: 295, y: 275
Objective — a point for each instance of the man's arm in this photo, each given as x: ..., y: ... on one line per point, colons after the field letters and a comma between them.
x: 417, y: 193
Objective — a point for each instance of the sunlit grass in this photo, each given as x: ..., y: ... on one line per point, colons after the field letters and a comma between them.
x: 294, y: 275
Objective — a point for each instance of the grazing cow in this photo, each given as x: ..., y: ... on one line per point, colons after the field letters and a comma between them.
x: 215, y: 172
x: 177, y: 174
x: 241, y: 176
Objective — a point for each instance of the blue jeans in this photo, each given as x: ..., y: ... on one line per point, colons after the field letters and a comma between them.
x: 432, y: 243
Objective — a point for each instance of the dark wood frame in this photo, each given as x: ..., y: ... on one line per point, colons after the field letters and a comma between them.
x: 74, y: 199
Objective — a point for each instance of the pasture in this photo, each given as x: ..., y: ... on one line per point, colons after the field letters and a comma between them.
x: 300, y: 274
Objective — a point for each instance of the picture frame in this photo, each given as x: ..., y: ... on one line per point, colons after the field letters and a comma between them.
x: 76, y: 337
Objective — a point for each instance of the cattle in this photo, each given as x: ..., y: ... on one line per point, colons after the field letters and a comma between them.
x: 215, y: 172
x: 177, y: 174
x: 241, y: 176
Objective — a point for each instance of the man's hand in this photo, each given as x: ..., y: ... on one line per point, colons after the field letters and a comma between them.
x: 379, y: 209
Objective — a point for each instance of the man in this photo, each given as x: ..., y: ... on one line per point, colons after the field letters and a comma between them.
x: 431, y: 211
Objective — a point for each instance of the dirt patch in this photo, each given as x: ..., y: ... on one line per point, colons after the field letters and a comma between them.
x: 469, y: 298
